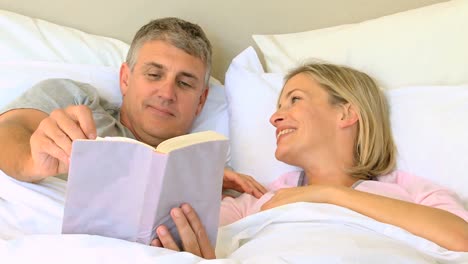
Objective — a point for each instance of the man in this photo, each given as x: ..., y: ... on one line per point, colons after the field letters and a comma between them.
x: 164, y: 85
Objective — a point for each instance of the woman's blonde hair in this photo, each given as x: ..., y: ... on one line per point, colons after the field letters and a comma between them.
x: 374, y: 149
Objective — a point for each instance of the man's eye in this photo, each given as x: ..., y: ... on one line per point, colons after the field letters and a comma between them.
x: 184, y: 84
x: 154, y: 75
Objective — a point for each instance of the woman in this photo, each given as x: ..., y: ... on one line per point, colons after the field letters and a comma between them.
x: 333, y: 122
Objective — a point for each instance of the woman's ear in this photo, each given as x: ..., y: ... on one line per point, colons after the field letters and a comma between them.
x: 349, y: 115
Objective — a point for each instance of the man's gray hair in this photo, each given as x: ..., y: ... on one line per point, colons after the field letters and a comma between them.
x: 184, y: 35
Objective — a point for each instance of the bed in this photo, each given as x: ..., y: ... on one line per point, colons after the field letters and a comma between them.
x: 418, y: 56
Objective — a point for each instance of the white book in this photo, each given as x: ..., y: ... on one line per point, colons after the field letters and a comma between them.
x: 123, y: 188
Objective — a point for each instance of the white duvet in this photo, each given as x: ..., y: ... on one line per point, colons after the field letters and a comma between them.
x: 30, y: 223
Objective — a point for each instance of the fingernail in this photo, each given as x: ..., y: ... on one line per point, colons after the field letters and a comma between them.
x: 176, y: 213
x: 186, y: 208
x: 162, y: 231
x: 92, y: 136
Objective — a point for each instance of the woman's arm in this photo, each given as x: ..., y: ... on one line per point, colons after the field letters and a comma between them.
x: 439, y: 226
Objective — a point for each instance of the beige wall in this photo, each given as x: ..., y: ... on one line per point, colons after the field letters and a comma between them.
x: 229, y: 24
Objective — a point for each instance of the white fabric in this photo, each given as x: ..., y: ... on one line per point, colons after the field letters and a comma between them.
x: 324, y: 233
x: 18, y: 76
x: 26, y: 38
x: 299, y: 233
x: 425, y: 46
x: 79, y: 249
x: 27, y: 208
x: 429, y: 125
x: 430, y: 128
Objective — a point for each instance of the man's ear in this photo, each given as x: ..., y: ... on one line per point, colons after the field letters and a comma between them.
x: 125, y: 72
x: 349, y: 115
x: 202, y: 101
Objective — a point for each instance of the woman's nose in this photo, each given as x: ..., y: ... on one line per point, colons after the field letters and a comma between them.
x: 276, y: 118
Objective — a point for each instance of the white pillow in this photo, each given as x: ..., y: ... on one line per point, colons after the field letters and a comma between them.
x: 425, y: 46
x: 252, y: 96
x: 25, y: 38
x: 16, y: 77
x: 429, y: 125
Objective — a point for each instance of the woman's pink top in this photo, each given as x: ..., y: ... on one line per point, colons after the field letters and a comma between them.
x: 399, y: 185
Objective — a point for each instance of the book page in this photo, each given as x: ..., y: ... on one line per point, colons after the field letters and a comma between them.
x: 187, y: 140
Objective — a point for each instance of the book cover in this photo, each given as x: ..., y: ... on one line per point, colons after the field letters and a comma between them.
x: 125, y: 189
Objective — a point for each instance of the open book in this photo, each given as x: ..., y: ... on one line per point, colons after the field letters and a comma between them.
x: 123, y: 188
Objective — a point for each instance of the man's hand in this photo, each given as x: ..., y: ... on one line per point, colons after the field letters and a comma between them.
x: 51, y: 142
x: 191, y: 231
x: 242, y: 183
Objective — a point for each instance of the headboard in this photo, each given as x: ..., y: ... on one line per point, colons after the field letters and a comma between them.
x: 229, y: 24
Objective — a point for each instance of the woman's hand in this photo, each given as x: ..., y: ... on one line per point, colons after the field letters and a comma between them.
x: 242, y: 183
x: 191, y: 231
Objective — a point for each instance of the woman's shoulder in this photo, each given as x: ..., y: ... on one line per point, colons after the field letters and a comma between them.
x: 387, y: 185
x: 394, y: 176
x: 418, y: 187
x: 404, y: 178
x: 425, y: 192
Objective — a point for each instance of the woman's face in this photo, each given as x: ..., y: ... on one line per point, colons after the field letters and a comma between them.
x: 305, y: 121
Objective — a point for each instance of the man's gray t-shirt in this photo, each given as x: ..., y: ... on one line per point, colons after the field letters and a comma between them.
x: 52, y: 94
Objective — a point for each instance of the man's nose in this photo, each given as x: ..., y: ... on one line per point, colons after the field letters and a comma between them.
x: 167, y: 90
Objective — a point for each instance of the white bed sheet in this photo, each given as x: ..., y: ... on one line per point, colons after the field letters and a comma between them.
x: 30, y: 223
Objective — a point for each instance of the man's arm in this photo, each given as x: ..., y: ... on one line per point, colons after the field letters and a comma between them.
x: 38, y: 145
x: 16, y: 128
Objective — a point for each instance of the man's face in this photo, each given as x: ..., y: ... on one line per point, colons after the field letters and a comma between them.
x: 163, y: 94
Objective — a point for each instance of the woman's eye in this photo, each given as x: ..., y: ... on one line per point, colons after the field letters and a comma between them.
x: 294, y: 99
